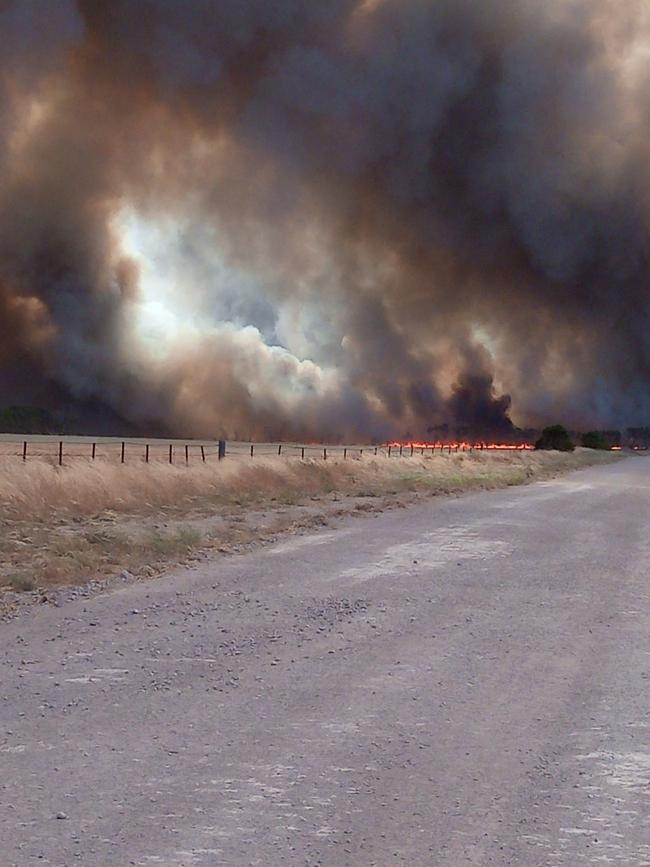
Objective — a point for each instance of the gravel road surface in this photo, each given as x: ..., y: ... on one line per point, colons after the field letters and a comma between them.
x: 466, y: 681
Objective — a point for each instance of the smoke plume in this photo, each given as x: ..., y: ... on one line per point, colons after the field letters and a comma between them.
x: 353, y: 218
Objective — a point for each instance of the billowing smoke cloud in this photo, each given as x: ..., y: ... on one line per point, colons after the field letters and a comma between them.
x: 353, y: 218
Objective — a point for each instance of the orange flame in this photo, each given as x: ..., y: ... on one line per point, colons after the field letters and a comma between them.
x: 461, y: 446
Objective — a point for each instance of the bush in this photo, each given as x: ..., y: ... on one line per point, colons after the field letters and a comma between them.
x: 594, y: 440
x: 26, y: 420
x: 556, y: 438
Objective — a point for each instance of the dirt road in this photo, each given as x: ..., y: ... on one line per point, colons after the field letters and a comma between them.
x: 463, y: 682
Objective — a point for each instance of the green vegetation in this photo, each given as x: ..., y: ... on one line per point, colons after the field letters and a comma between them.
x: 555, y: 438
x: 26, y: 420
x: 595, y: 440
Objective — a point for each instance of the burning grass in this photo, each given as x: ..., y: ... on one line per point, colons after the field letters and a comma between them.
x: 89, y: 520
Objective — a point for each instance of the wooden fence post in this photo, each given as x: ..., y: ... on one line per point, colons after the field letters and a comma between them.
x: 324, y: 454
x: 203, y: 454
x: 222, y: 450
x: 93, y: 451
x: 345, y: 454
x: 146, y: 453
x: 187, y: 454
x: 25, y: 450
x: 60, y: 453
x: 171, y: 453
x: 302, y: 453
x: 122, y: 454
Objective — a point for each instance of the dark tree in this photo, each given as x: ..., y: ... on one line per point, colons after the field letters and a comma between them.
x: 556, y: 438
x: 595, y: 439
x: 26, y: 420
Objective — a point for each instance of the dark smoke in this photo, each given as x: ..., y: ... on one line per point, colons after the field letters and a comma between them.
x: 327, y: 219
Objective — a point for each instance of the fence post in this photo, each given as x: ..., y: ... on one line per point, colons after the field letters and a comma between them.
x: 146, y: 453
x: 60, y: 453
x: 302, y: 453
x: 411, y: 449
x: 324, y: 454
x: 423, y: 452
x: 25, y: 450
x: 122, y: 454
x: 171, y: 453
x: 252, y: 447
x: 187, y: 454
x: 94, y: 451
x: 389, y: 450
x: 222, y: 450
x: 345, y: 454
x: 280, y: 449
x: 401, y: 451
x: 202, y: 454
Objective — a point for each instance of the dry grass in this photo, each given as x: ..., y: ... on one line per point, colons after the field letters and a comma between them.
x: 38, y: 491
x: 91, y: 519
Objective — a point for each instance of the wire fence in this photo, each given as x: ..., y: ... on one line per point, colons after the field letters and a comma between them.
x: 59, y: 450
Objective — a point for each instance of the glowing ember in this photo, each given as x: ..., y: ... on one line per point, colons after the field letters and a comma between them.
x: 463, y: 446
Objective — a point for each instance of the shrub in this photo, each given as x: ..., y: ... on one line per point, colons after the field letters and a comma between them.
x: 26, y: 420
x: 21, y: 584
x: 594, y: 440
x: 556, y: 438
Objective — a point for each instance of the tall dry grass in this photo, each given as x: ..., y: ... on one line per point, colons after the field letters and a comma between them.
x: 68, y: 525
x: 38, y: 491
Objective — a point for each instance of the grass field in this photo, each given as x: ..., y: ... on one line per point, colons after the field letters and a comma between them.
x: 62, y: 525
